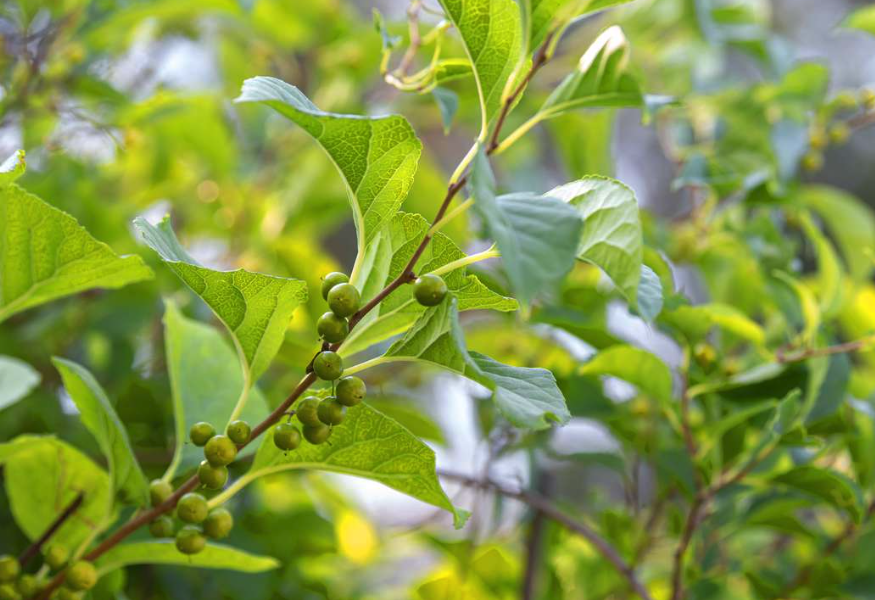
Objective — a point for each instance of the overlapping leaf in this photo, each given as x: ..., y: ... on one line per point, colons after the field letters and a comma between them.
x: 17, y: 379
x: 546, y: 16
x: 640, y: 368
x: 45, y: 254
x: 377, y: 157
x: 12, y: 168
x: 213, y: 556
x: 255, y: 308
x: 99, y: 417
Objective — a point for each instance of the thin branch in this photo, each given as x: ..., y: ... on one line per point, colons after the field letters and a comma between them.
x: 846, y: 347
x: 535, y: 541
x: 692, y: 522
x: 35, y: 547
x: 545, y: 506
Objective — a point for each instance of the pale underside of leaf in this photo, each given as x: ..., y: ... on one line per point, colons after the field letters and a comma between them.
x: 17, y: 379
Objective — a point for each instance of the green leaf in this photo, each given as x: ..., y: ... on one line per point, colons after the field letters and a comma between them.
x: 17, y: 379
x: 43, y: 476
x: 697, y: 321
x: 555, y: 15
x: 640, y: 368
x: 367, y: 444
x: 99, y: 417
x: 528, y: 398
x: 537, y: 236
x: 255, y: 308
x: 386, y: 257
x: 410, y: 416
x: 650, y: 296
x: 12, y: 168
x: 612, y: 237
x: 45, y: 254
x: 213, y: 556
x: 829, y: 271
x: 492, y: 35
x: 205, y: 381
x: 830, y: 486
x: 448, y: 103
x: 377, y: 157
x: 863, y: 19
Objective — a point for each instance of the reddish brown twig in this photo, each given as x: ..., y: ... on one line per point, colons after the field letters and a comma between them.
x: 35, y: 547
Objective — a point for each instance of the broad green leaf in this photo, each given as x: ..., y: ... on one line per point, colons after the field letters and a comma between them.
x: 205, y: 381
x: 409, y: 415
x: 612, y: 237
x: 99, y: 417
x: 829, y: 271
x: 367, y: 444
x: 492, y: 35
x: 17, y: 379
x: 43, y: 476
x: 537, y: 236
x: 650, y: 296
x: 45, y: 254
x: 697, y: 321
x: 640, y: 368
x: 526, y: 397
x: 255, y: 308
x: 546, y: 16
x: 377, y: 157
x: 164, y: 552
x: 863, y: 19
x: 448, y: 103
x: 830, y: 486
x: 385, y: 259
x: 808, y: 306
x: 12, y: 168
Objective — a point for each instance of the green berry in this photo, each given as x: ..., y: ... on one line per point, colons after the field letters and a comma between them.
x: 159, y: 491
x: 328, y: 365
x: 162, y: 527
x: 66, y: 593
x: 351, y: 390
x: 27, y: 585
x: 219, y: 523
x: 56, y: 556
x: 812, y: 161
x: 344, y: 299
x: 307, y: 411
x: 331, y: 280
x: 239, y: 431
x: 213, y: 478
x: 192, y: 508
x: 332, y: 328
x: 331, y: 412
x: 9, y: 568
x: 220, y: 451
x: 286, y: 437
x: 430, y: 289
x: 81, y: 576
x: 200, y: 433
x: 8, y: 591
x: 318, y: 434
x: 839, y: 133
x: 867, y: 98
x: 190, y: 540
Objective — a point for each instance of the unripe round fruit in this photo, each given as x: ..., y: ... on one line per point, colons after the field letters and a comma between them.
x: 8, y: 591
x: 81, y: 576
x: 351, y: 390
x: 817, y: 139
x: 220, y: 451
x: 839, y: 133
x: 27, y: 585
x: 66, y: 593
x: 867, y: 98
x: 430, y: 289
x: 159, y: 491
x: 318, y: 434
x: 162, y: 527
x: 286, y: 437
x: 331, y: 412
x: 331, y: 328
x: 192, y: 508
x: 200, y: 433
x: 328, y: 365
x: 344, y: 299
x: 331, y: 280
x: 307, y: 411
x: 218, y: 524
x: 190, y: 540
x: 239, y: 431
x: 812, y: 161
x: 213, y: 478
x: 56, y: 556
x: 9, y: 568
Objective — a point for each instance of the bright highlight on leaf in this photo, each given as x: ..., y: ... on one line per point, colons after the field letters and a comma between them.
x: 17, y: 379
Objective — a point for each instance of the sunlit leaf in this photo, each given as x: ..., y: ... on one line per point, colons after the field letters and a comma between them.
x: 164, y: 552
x: 640, y: 368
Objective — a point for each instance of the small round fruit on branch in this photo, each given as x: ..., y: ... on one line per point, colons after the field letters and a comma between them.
x: 218, y: 524
x: 190, y: 540
x: 307, y: 411
x: 192, y: 508
x: 159, y: 491
x: 213, y: 478
x: 286, y: 437
x: 430, y: 289
x: 200, y: 433
x: 81, y: 576
x: 27, y: 585
x: 331, y: 412
x: 56, y: 556
x: 351, y: 390
x: 239, y: 431
x: 331, y: 280
x: 344, y: 300
x: 220, y: 451
x: 162, y: 527
x: 317, y: 434
x: 9, y: 591
x: 328, y: 365
x: 9, y: 568
x: 331, y: 328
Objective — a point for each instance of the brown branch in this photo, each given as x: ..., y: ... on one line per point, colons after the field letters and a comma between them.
x: 535, y: 541
x: 35, y: 547
x: 692, y: 522
x: 545, y: 506
x: 853, y: 346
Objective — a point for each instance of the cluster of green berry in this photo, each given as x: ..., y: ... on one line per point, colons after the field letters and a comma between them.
x: 14, y: 585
